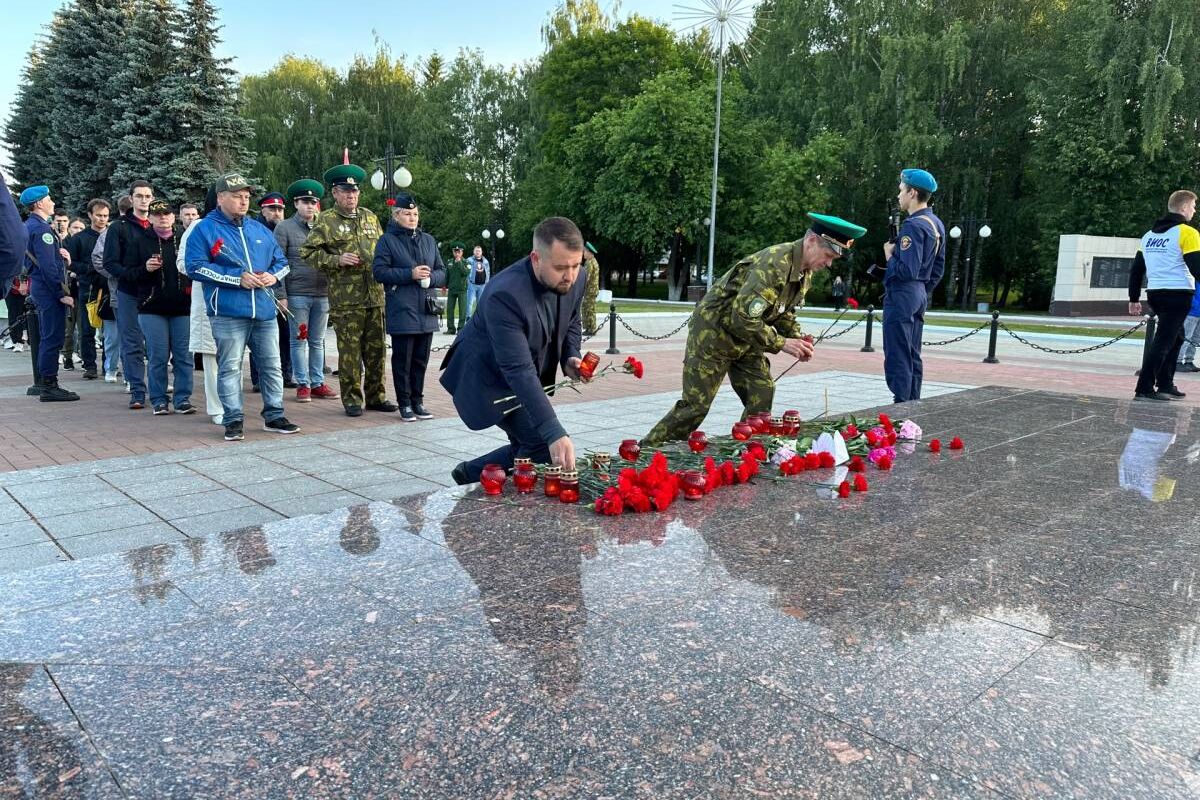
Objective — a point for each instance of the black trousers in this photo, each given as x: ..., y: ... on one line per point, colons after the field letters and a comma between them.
x: 523, y: 441
x: 16, y: 309
x: 410, y: 357
x: 1171, y: 306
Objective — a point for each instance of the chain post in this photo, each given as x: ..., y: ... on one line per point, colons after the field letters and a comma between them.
x: 612, y: 329
x: 991, y: 356
x: 866, y: 348
x: 1151, y: 326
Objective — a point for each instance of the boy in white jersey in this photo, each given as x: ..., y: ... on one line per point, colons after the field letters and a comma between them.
x: 1169, y: 261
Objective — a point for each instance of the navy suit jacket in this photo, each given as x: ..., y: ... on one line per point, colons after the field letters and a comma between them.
x: 500, y: 350
x: 13, y: 239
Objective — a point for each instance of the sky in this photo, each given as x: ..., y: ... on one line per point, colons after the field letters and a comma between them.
x: 257, y: 34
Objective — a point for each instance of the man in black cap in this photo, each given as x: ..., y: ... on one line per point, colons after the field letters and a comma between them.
x: 271, y: 206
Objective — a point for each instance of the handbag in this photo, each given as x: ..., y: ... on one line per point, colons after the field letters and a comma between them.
x: 93, y: 309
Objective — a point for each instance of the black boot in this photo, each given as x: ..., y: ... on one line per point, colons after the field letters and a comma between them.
x: 53, y: 393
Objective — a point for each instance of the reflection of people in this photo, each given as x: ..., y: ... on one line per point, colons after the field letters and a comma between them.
x: 359, y: 535
x: 33, y: 754
x: 1151, y: 437
x: 1169, y: 260
x: 250, y: 549
x: 531, y: 590
x: 915, y: 262
x: 749, y: 312
x: 526, y: 328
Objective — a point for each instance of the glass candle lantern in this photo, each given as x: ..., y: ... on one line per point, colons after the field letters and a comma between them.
x: 569, y: 487
x: 524, y: 477
x: 552, y: 480
x: 691, y: 483
x: 791, y: 422
x: 492, y: 479
x: 588, y: 364
x: 759, y: 423
x: 697, y: 441
x: 742, y: 430
x: 600, y: 460
x: 630, y: 450
x: 776, y: 426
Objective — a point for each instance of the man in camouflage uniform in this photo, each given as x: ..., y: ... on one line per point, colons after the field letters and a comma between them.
x: 458, y: 271
x: 587, y: 311
x: 749, y: 312
x: 342, y: 246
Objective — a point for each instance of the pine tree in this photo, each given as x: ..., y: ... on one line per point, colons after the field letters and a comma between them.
x: 28, y: 128
x: 90, y: 54
x: 145, y: 138
x: 213, y: 134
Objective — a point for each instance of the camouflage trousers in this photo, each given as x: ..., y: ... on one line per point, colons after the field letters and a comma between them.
x: 361, y: 354
x: 712, y: 354
x: 587, y: 311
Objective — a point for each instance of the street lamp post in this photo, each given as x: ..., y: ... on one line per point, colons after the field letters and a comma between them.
x: 394, y: 174
x: 487, y: 236
x: 970, y: 224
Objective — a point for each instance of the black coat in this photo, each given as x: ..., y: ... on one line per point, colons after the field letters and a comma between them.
x: 396, y: 253
x: 80, y: 246
x: 125, y: 243
x: 163, y: 291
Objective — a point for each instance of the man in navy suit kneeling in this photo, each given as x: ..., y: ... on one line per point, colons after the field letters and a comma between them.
x: 526, y: 326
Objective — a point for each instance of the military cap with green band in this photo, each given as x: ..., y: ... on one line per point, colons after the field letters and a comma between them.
x: 346, y: 175
x: 305, y: 187
x: 457, y: 245
x: 837, y: 232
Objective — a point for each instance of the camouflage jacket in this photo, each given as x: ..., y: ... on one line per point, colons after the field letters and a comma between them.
x: 334, y: 233
x: 754, y: 303
x: 457, y: 273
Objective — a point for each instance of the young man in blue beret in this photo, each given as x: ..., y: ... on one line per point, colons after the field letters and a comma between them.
x: 47, y: 262
x: 915, y: 263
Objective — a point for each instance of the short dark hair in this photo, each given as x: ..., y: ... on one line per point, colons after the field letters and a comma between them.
x: 192, y: 206
x: 97, y: 202
x: 557, y: 229
x: 124, y: 204
x: 923, y: 195
x: 140, y: 184
x: 79, y: 220
x: 58, y: 212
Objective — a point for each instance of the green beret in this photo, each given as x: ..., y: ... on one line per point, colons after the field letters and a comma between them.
x: 305, y: 187
x: 346, y: 175
x: 839, y: 233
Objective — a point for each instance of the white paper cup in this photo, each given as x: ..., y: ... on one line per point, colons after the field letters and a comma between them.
x: 424, y: 283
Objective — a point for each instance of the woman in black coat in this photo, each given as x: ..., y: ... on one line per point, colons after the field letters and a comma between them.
x: 409, y: 266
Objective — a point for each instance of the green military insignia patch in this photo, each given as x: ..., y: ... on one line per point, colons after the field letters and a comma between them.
x: 905, y: 242
x: 48, y: 238
x: 757, y: 307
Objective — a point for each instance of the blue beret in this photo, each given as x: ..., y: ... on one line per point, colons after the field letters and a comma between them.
x: 919, y: 179
x: 34, y: 193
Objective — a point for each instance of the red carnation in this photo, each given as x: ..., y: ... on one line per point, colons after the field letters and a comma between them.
x: 787, y: 468
x: 610, y: 504
x: 216, y: 248
x: 812, y: 461
x: 627, y: 479
x: 757, y: 450
x: 636, y: 499
x: 710, y: 464
x: 956, y: 443
x: 712, y: 480
x: 857, y: 464
x: 391, y: 201
x: 843, y: 489
x: 746, y: 470
x: 798, y: 464
x: 872, y: 438
x: 884, y: 462
x: 935, y: 445
x: 302, y: 333
x: 885, y: 420
x: 751, y: 462
x: 664, y: 495
x: 634, y: 366
x: 850, y: 432
x: 827, y: 460
x: 728, y: 473
x: 860, y: 482
x: 852, y: 303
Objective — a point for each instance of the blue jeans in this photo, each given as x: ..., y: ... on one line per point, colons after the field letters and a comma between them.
x: 232, y: 335
x: 308, y: 357
x: 473, y: 292
x: 133, y: 346
x: 1191, y: 338
x: 168, y: 336
x: 112, y: 346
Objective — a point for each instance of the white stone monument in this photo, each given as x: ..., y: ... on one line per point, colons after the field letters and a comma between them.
x: 1093, y: 276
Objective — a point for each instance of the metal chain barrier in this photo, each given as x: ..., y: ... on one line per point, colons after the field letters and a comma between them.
x: 1037, y: 346
x: 966, y: 335
x: 844, y: 331
x: 627, y: 327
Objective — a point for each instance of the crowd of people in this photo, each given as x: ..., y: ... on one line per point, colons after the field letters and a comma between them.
x: 147, y: 294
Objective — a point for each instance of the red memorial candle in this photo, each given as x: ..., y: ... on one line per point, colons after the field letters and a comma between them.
x: 492, y: 479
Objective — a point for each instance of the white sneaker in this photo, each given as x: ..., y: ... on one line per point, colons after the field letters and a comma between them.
x: 18, y: 348
x: 218, y: 419
x: 110, y: 377
x: 128, y: 388
x: 8, y: 344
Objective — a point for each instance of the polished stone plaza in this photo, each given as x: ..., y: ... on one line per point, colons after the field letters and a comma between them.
x: 1019, y: 619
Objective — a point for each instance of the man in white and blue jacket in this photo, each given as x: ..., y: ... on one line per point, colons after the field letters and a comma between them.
x: 236, y: 260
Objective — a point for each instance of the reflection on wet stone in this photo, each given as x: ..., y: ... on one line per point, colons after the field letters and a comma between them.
x: 1017, y: 619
